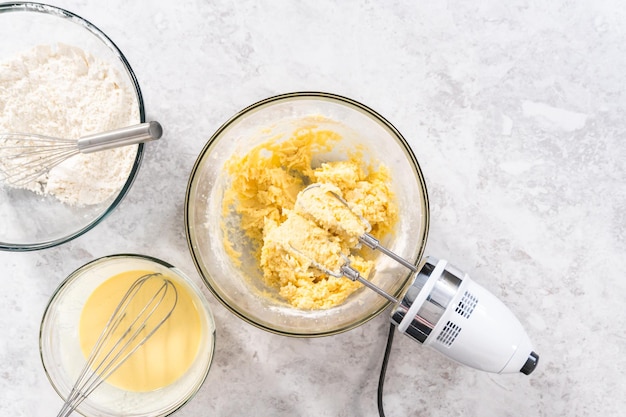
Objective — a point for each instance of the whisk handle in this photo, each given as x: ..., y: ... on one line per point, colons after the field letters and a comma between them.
x: 130, y: 135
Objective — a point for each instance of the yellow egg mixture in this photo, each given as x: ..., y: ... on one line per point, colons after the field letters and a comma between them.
x: 290, y: 238
x: 166, y: 355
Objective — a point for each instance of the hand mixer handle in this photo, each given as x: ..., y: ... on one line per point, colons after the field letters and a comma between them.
x: 129, y: 135
x: 447, y: 311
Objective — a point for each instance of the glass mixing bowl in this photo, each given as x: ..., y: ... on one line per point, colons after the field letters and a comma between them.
x: 30, y: 221
x: 239, y: 285
x: 63, y: 359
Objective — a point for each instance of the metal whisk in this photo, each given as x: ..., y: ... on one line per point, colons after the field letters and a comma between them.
x: 124, y: 334
x: 25, y: 157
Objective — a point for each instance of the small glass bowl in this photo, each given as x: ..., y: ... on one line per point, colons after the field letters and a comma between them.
x: 63, y: 360
x: 29, y: 221
x: 239, y: 285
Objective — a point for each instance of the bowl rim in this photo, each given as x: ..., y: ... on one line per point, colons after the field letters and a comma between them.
x: 65, y: 14
x: 69, y: 279
x: 425, y: 221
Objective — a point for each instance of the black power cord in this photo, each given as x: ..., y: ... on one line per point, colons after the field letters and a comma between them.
x: 383, y: 369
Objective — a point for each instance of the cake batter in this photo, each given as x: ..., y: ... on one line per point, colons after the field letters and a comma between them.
x: 266, y: 183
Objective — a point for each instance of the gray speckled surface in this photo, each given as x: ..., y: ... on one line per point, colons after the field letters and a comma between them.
x: 516, y: 112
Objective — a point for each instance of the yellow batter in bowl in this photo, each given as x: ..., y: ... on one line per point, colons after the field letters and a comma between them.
x: 165, y: 356
x: 266, y: 182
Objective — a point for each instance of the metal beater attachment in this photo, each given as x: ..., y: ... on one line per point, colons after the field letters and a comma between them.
x: 345, y: 271
x: 313, y: 202
x: 322, y: 204
x: 124, y: 333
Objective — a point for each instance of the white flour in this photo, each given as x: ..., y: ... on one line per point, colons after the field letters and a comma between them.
x: 63, y: 91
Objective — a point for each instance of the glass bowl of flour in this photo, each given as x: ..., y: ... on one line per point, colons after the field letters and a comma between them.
x: 61, y: 76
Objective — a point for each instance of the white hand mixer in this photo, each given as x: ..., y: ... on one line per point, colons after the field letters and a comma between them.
x: 443, y: 308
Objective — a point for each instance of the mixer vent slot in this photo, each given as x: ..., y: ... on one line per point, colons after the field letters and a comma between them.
x: 466, y: 305
x: 448, y: 334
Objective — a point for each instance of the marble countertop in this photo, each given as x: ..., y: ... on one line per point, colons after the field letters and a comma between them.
x: 516, y: 112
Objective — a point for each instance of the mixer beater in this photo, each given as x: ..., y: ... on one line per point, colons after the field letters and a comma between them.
x: 443, y: 308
